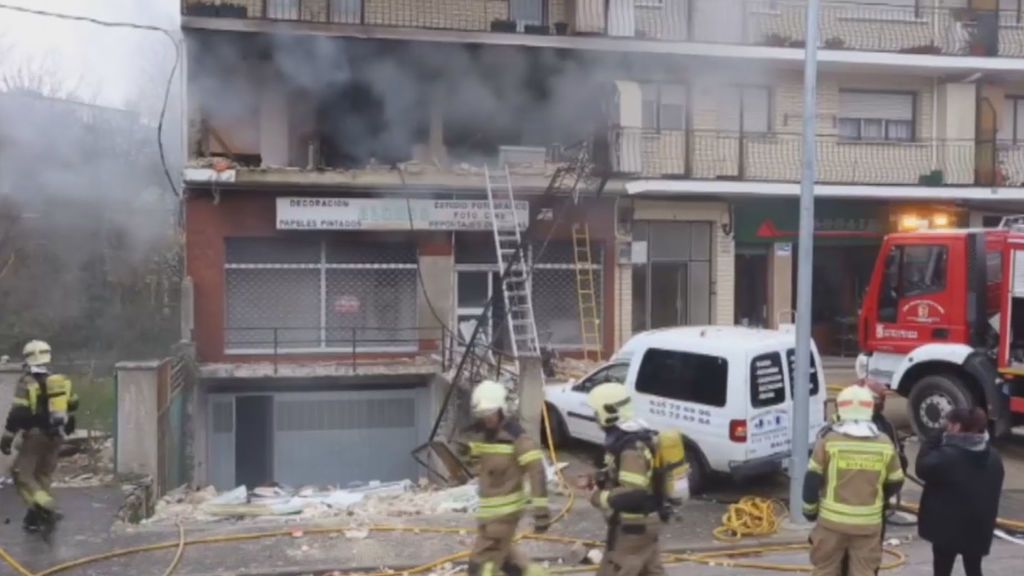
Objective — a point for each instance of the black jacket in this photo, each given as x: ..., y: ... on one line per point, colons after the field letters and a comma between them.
x: 961, y: 496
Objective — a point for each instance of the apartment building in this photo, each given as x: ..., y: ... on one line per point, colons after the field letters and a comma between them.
x: 339, y: 233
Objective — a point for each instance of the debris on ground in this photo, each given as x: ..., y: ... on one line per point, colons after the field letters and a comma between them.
x: 572, y: 368
x: 387, y: 499
x: 87, y: 459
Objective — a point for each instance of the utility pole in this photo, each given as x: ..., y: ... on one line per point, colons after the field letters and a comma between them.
x: 802, y: 386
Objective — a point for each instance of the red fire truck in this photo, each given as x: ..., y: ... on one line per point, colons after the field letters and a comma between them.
x: 942, y: 323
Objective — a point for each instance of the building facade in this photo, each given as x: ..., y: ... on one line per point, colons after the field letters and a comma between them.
x: 339, y: 241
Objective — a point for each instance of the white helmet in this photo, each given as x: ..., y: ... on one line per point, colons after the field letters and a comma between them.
x: 36, y: 353
x: 488, y: 397
x: 855, y: 403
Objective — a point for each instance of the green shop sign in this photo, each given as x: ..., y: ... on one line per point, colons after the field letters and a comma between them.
x: 835, y: 222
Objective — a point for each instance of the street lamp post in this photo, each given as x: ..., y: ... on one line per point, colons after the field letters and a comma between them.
x: 801, y: 387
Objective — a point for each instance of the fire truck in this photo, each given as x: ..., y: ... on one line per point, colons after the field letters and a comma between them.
x: 942, y: 323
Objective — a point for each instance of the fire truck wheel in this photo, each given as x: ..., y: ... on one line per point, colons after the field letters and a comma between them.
x: 932, y: 397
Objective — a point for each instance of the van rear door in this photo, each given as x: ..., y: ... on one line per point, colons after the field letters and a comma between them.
x: 769, y: 418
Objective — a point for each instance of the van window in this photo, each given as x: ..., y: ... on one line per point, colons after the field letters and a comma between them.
x: 613, y: 373
x: 684, y: 376
x: 791, y: 359
x: 767, y: 386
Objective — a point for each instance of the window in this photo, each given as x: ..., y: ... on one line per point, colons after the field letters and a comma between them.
x: 1011, y: 127
x: 684, y: 376
x: 745, y: 109
x: 767, y: 385
x: 613, y: 373
x: 876, y: 116
x: 923, y: 270
x: 663, y: 107
x: 791, y: 361
x: 1010, y: 12
x: 556, y: 299
x: 310, y: 294
x: 994, y: 267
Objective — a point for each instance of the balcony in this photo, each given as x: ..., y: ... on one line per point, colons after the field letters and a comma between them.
x: 775, y: 157
x: 845, y: 25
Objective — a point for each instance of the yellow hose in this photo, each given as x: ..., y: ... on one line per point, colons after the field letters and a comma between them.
x: 751, y: 516
x: 181, y: 551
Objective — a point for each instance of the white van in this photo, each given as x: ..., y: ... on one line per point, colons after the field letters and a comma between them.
x: 727, y: 389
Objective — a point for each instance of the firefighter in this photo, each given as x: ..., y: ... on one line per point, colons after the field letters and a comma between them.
x: 505, y: 456
x: 853, y: 471
x: 43, y: 411
x: 878, y: 391
x: 625, y: 487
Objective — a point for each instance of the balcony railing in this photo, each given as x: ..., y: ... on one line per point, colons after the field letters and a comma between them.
x: 869, y: 25
x: 775, y: 157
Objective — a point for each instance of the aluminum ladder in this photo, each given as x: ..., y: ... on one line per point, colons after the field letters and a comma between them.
x: 586, y: 292
x: 515, y: 278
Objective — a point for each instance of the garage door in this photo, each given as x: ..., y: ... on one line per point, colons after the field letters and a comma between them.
x: 323, y: 438
x: 342, y: 437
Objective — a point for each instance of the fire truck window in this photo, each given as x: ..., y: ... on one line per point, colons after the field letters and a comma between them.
x: 888, y: 292
x: 923, y: 270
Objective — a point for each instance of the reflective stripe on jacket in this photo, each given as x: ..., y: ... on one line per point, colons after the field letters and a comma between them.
x: 504, y: 459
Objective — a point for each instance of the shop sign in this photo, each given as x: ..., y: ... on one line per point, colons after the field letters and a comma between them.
x: 346, y: 305
x: 778, y: 222
x: 395, y: 214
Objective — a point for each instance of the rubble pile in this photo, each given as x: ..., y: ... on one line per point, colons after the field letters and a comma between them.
x: 86, y: 459
x: 572, y: 368
x: 375, y: 499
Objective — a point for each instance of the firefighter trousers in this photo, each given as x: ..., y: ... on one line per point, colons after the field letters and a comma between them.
x: 829, y: 548
x: 495, y: 553
x: 34, y: 467
x: 632, y: 550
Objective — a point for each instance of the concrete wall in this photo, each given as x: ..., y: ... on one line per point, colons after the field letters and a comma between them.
x: 137, y: 416
x: 9, y: 375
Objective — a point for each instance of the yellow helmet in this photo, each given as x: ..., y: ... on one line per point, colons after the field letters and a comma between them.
x: 488, y: 397
x: 855, y: 403
x: 36, y: 353
x: 611, y: 402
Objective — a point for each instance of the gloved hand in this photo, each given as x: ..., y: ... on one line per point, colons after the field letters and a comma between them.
x: 70, y: 426
x: 811, y: 517
x: 6, y: 442
x: 541, y: 521
x: 595, y: 499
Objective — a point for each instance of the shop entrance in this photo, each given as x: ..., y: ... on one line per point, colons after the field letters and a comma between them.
x: 752, y: 287
x: 673, y: 286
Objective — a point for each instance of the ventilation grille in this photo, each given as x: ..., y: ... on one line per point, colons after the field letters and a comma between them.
x: 304, y: 415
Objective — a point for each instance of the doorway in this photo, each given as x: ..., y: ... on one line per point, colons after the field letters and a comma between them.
x: 668, y: 294
x: 752, y: 288
x: 672, y: 287
x: 254, y: 440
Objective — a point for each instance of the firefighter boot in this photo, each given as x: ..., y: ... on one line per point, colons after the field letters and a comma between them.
x: 31, y: 523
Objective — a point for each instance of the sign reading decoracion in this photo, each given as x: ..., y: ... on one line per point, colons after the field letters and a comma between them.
x: 394, y: 214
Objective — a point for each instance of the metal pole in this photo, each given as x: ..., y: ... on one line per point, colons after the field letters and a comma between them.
x: 801, y: 388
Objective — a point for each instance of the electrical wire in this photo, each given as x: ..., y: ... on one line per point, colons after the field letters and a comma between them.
x: 131, y: 26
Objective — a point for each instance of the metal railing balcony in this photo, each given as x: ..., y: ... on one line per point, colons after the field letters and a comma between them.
x: 775, y: 157
x: 868, y: 25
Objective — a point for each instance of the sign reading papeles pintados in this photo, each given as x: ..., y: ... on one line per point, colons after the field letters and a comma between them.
x: 394, y: 214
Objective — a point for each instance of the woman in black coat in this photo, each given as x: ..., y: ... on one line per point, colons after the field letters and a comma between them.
x: 963, y: 478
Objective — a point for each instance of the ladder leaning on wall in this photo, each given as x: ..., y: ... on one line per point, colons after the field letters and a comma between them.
x: 586, y: 292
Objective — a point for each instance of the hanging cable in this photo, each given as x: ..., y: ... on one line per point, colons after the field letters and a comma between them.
x: 131, y: 26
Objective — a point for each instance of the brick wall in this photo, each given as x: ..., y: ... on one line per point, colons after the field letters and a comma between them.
x: 668, y: 22
x: 443, y: 14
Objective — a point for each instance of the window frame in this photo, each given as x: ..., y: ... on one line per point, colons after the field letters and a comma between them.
x: 769, y: 103
x: 584, y: 386
x: 1018, y: 103
x: 885, y: 121
x: 658, y: 89
x: 944, y: 250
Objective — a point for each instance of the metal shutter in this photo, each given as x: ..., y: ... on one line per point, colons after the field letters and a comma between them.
x: 622, y: 18
x: 876, y: 105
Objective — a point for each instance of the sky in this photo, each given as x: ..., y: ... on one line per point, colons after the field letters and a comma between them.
x: 113, y: 67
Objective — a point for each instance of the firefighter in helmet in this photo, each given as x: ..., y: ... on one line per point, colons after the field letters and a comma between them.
x: 854, y: 469
x: 43, y: 412
x: 626, y: 486
x: 505, y: 456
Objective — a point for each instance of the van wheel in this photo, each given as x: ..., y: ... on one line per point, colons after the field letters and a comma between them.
x: 932, y: 397
x: 699, y: 470
x: 559, y: 430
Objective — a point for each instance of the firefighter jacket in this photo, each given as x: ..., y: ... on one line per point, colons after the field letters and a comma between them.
x: 849, y: 480
x: 626, y: 487
x: 504, y: 458
x: 45, y: 402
